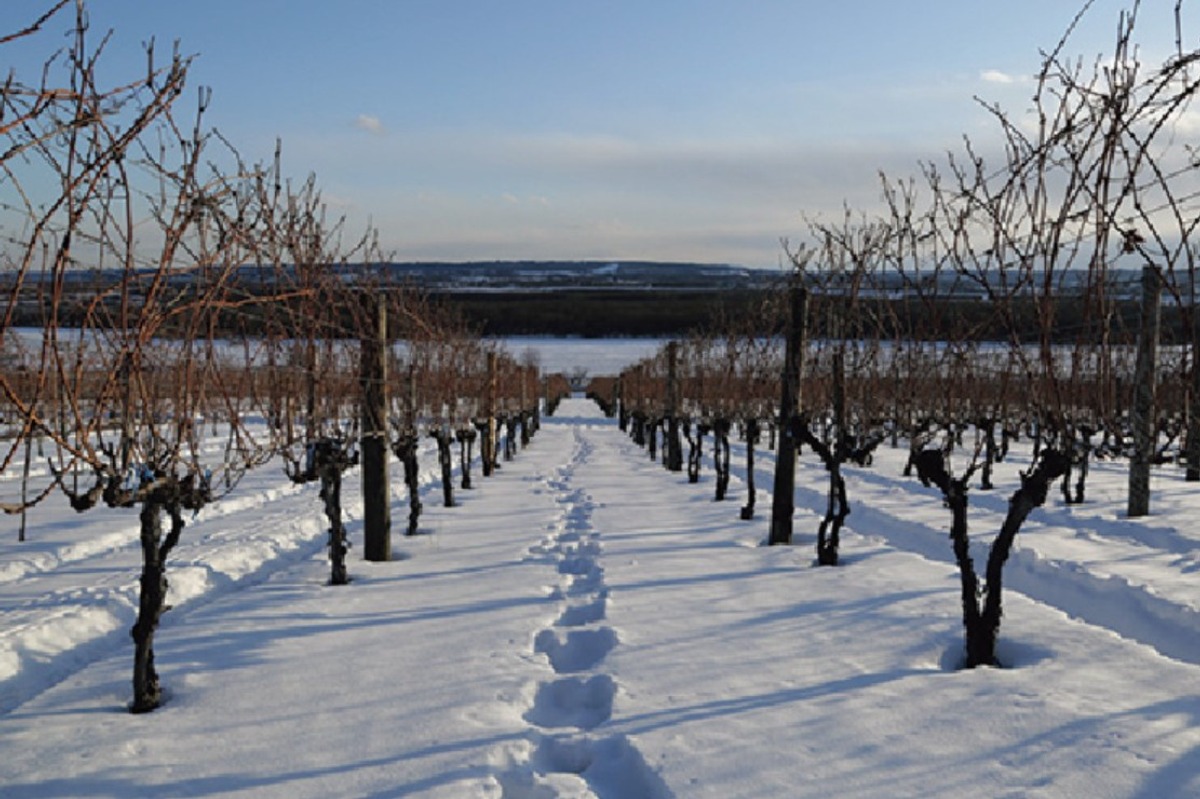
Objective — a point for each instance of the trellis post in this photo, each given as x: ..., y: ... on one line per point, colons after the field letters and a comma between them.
x: 784, y: 500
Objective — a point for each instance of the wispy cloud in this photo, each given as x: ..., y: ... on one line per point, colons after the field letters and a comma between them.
x: 563, y: 194
x: 371, y: 124
x: 529, y: 200
x: 996, y: 76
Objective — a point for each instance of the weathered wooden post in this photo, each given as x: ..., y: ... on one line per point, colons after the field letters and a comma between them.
x: 1146, y: 376
x: 622, y: 402
x: 535, y: 390
x: 487, y: 448
x: 523, y: 413
x: 1193, y: 431
x: 377, y: 521
x: 784, y: 501
x: 674, y: 447
x: 25, y: 467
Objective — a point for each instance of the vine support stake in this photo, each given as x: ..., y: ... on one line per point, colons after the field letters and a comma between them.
x: 1192, y: 451
x: 783, y: 504
x: 1143, y: 396
x: 487, y: 448
x: 377, y: 521
x: 674, y: 447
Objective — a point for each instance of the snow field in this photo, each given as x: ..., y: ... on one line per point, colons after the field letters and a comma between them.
x: 586, y: 624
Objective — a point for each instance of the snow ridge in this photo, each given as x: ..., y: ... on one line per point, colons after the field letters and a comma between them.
x: 72, y: 600
x: 1095, y: 578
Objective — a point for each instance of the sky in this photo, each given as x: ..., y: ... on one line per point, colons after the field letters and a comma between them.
x: 548, y: 129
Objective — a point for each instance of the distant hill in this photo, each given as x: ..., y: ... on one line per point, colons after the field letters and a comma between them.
x: 588, y: 298
x: 567, y: 298
x: 498, y: 275
x: 621, y: 298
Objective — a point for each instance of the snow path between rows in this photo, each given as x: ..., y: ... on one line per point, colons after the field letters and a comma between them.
x: 586, y: 624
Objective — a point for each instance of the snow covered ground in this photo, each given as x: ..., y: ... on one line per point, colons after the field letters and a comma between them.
x: 587, y: 624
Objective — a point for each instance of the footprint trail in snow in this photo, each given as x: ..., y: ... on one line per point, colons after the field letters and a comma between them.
x: 565, y: 752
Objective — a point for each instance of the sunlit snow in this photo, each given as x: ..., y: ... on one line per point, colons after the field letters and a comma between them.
x: 587, y: 624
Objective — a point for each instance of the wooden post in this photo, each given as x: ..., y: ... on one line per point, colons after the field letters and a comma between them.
x: 523, y: 415
x: 839, y: 373
x: 25, y: 478
x: 487, y: 448
x: 538, y: 381
x: 1143, y: 394
x: 1193, y: 429
x: 376, y: 489
x: 674, y: 447
x: 623, y: 395
x: 784, y: 500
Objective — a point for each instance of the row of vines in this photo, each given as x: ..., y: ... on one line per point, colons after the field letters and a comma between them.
x: 1047, y: 295
x: 196, y: 317
x: 174, y: 316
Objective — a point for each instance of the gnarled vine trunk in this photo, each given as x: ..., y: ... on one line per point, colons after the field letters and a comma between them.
x: 446, y: 462
x: 466, y: 440
x: 331, y: 493
x: 406, y: 452
x: 695, y: 450
x: 981, y: 623
x: 721, y: 428
x: 152, y: 594
x: 752, y: 435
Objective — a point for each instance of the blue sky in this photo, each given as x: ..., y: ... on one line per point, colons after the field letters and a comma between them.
x: 585, y: 129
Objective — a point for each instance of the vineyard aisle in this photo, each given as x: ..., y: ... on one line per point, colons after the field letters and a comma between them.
x: 588, y: 624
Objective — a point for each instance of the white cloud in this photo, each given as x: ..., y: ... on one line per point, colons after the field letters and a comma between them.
x: 532, y: 199
x: 1187, y: 123
x: 371, y: 124
x: 996, y: 76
